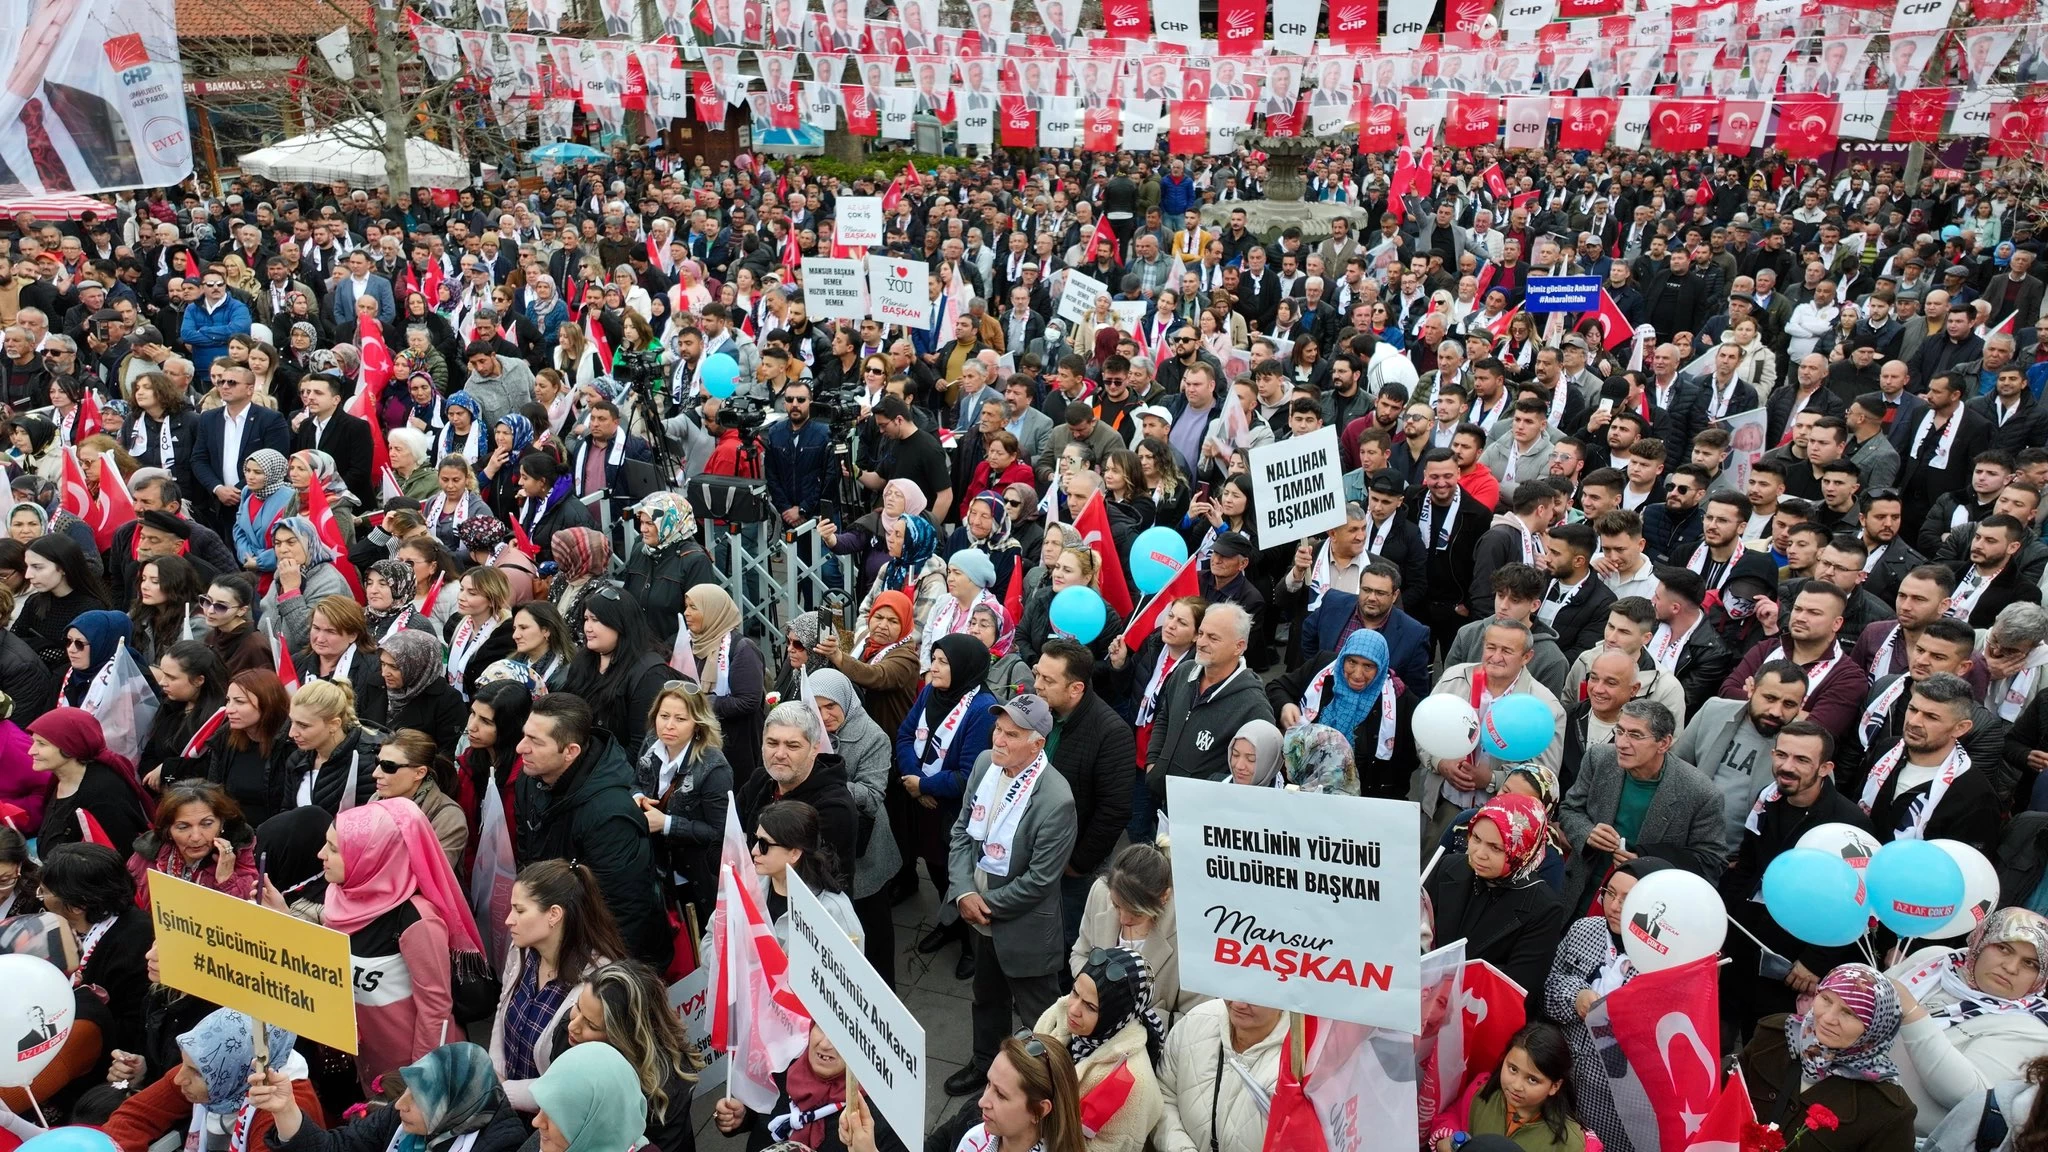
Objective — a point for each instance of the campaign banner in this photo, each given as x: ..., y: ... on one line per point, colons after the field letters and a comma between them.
x: 690, y: 999
x: 835, y: 289
x: 1294, y: 26
x: 1745, y: 444
x: 899, y: 291
x: 1299, y: 901
x: 1298, y: 487
x: 95, y: 96
x: 1562, y: 294
x: 272, y: 966
x: 880, y: 1039
x: 860, y: 221
x: 1077, y: 299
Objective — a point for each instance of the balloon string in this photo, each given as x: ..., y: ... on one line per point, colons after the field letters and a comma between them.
x: 1737, y: 925
x: 40, y: 1118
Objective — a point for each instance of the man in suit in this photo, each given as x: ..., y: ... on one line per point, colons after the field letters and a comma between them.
x: 1021, y: 324
x: 1682, y: 822
x: 1258, y: 291
x: 323, y: 426
x: 1450, y: 524
x: 1940, y: 449
x: 1010, y: 846
x: 70, y: 138
x: 358, y: 280
x: 1577, y: 603
x: 226, y: 436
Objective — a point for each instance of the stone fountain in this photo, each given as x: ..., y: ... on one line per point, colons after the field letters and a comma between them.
x: 1283, y: 207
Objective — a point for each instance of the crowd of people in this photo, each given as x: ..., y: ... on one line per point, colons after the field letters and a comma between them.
x: 1770, y: 548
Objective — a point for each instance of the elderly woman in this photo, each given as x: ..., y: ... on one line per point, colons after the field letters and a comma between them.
x: 465, y: 435
x: 1358, y: 695
x: 670, y: 561
x: 1837, y: 1055
x: 869, y: 753
x: 266, y: 499
x: 1109, y: 1028
x: 410, y: 451
x: 450, y: 1093
x: 868, y: 537
x: 305, y: 575
x: 1972, y: 1017
x: 969, y: 576
x: 498, y: 475
x: 1492, y: 896
x: 198, y: 835
x: 312, y: 466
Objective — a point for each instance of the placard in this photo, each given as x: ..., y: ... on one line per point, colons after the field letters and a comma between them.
x: 690, y: 999
x: 267, y: 964
x: 881, y: 1042
x: 1077, y: 299
x: 1562, y: 294
x: 1745, y: 444
x: 1297, y: 487
x: 860, y: 221
x: 1306, y: 902
x: 834, y: 289
x: 899, y: 291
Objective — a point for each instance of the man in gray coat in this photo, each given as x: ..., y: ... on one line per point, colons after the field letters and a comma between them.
x: 1730, y: 740
x: 1011, y: 843
x: 1608, y: 821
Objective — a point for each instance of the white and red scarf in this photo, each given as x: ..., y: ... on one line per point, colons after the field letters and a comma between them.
x: 1957, y: 763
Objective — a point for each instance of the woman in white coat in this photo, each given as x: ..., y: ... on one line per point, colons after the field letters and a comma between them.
x: 1213, y: 1057
x: 1972, y: 1016
x: 1115, y: 1038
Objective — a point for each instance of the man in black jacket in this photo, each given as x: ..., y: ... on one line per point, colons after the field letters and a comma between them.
x: 1577, y: 602
x: 792, y: 768
x: 324, y: 427
x: 1676, y: 299
x: 1450, y: 525
x: 1684, y: 645
x: 1095, y: 750
x: 574, y: 797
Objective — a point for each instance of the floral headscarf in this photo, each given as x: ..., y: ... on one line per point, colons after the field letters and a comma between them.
x: 998, y: 536
x: 416, y: 654
x: 317, y: 551
x: 581, y: 553
x: 482, y: 534
x: 1955, y: 972
x: 467, y: 403
x: 1524, y: 829
x: 323, y: 468
x: 522, y: 431
x: 920, y: 541
x: 1872, y: 998
x: 1317, y: 758
x: 397, y: 576
x: 674, y: 520
x: 275, y: 468
x: 222, y: 1046
x: 1006, y: 632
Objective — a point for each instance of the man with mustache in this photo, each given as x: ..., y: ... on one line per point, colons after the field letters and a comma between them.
x: 1730, y: 739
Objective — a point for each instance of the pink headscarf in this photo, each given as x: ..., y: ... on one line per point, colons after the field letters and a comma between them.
x: 389, y: 853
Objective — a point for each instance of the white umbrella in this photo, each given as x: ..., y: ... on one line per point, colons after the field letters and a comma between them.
x: 337, y: 153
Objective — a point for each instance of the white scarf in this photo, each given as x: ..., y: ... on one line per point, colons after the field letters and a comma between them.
x: 2019, y: 688
x: 931, y: 750
x: 1820, y: 669
x: 1720, y: 399
x: 468, y: 447
x: 1957, y: 763
x: 1666, y: 646
x: 1532, y: 548
x: 722, y: 686
x: 1701, y: 557
x: 438, y: 506
x: 468, y: 638
x: 238, y: 1128
x: 1160, y: 671
x: 948, y: 617
x: 1377, y: 541
x: 1312, y: 705
x: 1873, y: 716
x: 1429, y: 537
x: 1948, y: 438
x: 996, y: 837
x: 1755, y: 820
x: 166, y: 444
x: 1880, y: 665
x: 1969, y: 590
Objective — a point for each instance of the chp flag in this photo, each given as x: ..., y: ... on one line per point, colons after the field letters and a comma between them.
x: 898, y: 291
x: 95, y: 99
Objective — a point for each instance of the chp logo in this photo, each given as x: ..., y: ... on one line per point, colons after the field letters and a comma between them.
x: 1352, y: 19
x: 1737, y: 127
x: 1123, y: 17
x: 1188, y: 120
x: 1241, y: 24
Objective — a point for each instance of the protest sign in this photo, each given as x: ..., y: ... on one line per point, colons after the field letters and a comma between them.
x: 1130, y: 314
x: 690, y: 999
x: 1746, y: 431
x: 1562, y: 294
x: 272, y: 966
x: 834, y: 289
x: 1298, y: 487
x: 1077, y: 299
x: 1299, y: 901
x: 899, y: 291
x: 880, y: 1040
x: 860, y: 221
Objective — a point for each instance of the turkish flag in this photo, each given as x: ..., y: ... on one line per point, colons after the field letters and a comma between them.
x: 1189, y: 135
x: 1132, y: 18
x: 1739, y: 122
x: 1240, y: 26
x: 1473, y: 122
x: 1495, y: 1008
x: 1496, y: 183
x: 1020, y: 124
x: 1916, y: 115
x: 1379, y: 129
x: 1574, y: 9
x: 1681, y: 125
x: 1619, y: 330
x: 861, y: 117
x: 1102, y: 128
x: 1587, y: 122
x: 1667, y: 1025
x: 1809, y: 126
x: 1291, y: 1121
x: 2016, y: 124
x: 1093, y: 524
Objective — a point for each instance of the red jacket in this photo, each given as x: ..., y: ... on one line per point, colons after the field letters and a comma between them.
x: 160, y: 1108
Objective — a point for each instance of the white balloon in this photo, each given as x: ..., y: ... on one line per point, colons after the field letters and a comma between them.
x: 1980, y: 889
x: 36, y: 1017
x: 1670, y: 918
x: 1446, y: 728
x: 1845, y: 840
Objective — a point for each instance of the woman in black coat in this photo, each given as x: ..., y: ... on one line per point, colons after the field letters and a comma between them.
x: 617, y: 672
x: 416, y: 689
x: 669, y: 564
x: 1492, y: 897
x: 164, y: 425
x: 452, y: 1090
x: 682, y: 780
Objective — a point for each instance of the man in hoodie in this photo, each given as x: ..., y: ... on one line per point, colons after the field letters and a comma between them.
x: 1201, y: 709
x: 1518, y: 590
x: 794, y: 769
x: 575, y: 802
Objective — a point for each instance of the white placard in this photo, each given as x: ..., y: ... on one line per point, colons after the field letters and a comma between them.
x: 690, y: 1000
x: 899, y: 291
x: 860, y: 221
x: 1130, y: 314
x: 1077, y: 299
x: 834, y: 289
x: 1745, y: 443
x: 1297, y: 487
x: 1299, y: 901
x: 880, y: 1040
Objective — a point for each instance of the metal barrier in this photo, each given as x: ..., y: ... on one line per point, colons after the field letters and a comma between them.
x: 747, y: 556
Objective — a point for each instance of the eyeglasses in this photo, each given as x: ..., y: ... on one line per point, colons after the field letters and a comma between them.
x: 1114, y: 962
x: 209, y: 604
x: 762, y: 844
x: 388, y: 766
x: 685, y: 685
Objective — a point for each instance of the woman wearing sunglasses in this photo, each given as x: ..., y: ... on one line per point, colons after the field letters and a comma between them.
x: 89, y: 643
x: 410, y: 767
x: 786, y: 838
x: 230, y: 610
x: 61, y: 585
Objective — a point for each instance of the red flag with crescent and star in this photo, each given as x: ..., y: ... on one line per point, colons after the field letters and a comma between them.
x: 1093, y: 524
x: 1667, y: 1026
x: 1587, y: 122
x: 1680, y: 125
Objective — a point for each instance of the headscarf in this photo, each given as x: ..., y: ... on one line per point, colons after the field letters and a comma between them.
x: 581, y: 553
x: 920, y: 541
x: 416, y: 654
x: 456, y: 1090
x: 1872, y: 998
x: 1006, y: 632
x: 593, y: 1097
x: 323, y: 468
x: 967, y: 659
x: 467, y: 403
x: 398, y: 576
x: 1264, y: 737
x: 222, y: 1046
x: 482, y: 534
x: 317, y: 551
x: 674, y: 520
x: 803, y: 631
x: 77, y: 734
x: 292, y: 841
x: 305, y: 326
x: 1524, y: 829
x: 1027, y: 501
x: 389, y: 854
x: 998, y: 536
x: 42, y: 514
x: 914, y: 502
x: 1542, y: 777
x: 1123, y: 992
x: 1955, y: 971
x: 276, y: 469
x: 522, y: 431
x: 1347, y: 709
x: 898, y: 605
x: 720, y: 616
x: 1318, y: 759
x: 104, y: 633
x: 40, y: 432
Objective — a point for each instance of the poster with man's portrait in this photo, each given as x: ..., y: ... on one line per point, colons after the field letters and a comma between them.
x: 932, y: 76
x: 1385, y: 77
x: 672, y: 15
x: 827, y: 67
x: 877, y: 73
x: 1333, y: 76
x: 1984, y: 52
x: 920, y: 22
x: 845, y: 20
x: 1099, y: 78
x: 1283, y: 85
x: 104, y: 74
x: 1513, y: 70
x: 789, y: 24
x: 1059, y: 17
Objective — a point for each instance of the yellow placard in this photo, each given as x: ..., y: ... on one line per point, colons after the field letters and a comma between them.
x: 273, y: 966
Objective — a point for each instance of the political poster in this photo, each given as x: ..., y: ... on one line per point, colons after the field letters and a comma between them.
x: 690, y: 999
x: 1077, y: 299
x: 880, y: 1040
x: 1299, y: 901
x: 834, y: 289
x: 95, y: 96
x: 860, y: 221
x: 1297, y: 487
x: 272, y: 966
x: 1562, y: 294
x: 1746, y: 431
x: 899, y: 291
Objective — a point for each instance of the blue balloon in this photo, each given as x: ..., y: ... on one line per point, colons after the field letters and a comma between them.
x: 1813, y: 895
x: 1516, y: 728
x: 74, y: 1138
x: 1157, y: 556
x: 1080, y: 613
x: 1915, y: 887
x: 719, y: 374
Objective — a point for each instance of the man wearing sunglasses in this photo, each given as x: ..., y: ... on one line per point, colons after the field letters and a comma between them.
x: 212, y: 320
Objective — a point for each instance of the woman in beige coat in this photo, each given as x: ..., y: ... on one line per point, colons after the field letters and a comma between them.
x: 1132, y: 908
x: 1213, y: 1057
x: 1115, y: 1038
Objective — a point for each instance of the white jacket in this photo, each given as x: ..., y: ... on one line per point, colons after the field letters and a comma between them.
x: 1807, y: 324
x: 1128, y: 1127
x: 1940, y: 1067
x: 1190, y: 1087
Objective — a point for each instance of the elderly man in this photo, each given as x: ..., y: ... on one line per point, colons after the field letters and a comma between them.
x: 211, y: 321
x: 1730, y: 739
x: 1634, y: 798
x: 1446, y: 787
x: 794, y: 769
x: 1924, y: 785
x: 2015, y: 652
x: 1612, y: 679
x: 1010, y: 845
x: 1201, y: 708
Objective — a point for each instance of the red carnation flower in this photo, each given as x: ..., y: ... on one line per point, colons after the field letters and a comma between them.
x: 1820, y: 1117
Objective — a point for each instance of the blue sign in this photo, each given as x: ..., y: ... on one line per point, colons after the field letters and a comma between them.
x: 1562, y: 294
